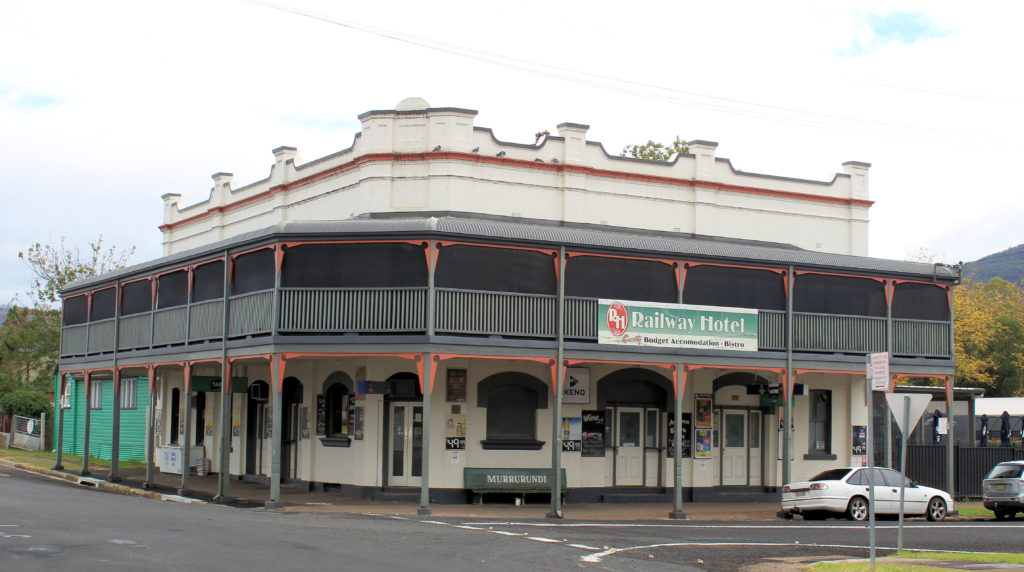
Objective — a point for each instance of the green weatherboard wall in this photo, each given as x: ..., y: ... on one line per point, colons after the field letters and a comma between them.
x: 133, y: 422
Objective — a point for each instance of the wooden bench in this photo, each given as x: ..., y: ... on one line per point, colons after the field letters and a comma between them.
x: 505, y: 480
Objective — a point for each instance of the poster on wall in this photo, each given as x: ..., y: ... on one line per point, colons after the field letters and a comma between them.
x: 304, y: 423
x: 236, y: 416
x: 685, y: 436
x: 321, y: 415
x: 860, y: 439
x: 577, y: 386
x: 456, y: 387
x: 358, y: 421
x: 592, y: 433
x: 455, y: 432
x: 572, y: 434
x: 703, y: 446
x: 702, y: 410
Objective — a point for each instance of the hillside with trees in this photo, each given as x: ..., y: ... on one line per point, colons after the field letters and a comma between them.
x: 1008, y: 265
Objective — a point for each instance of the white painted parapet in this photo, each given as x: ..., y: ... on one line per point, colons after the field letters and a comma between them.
x: 419, y: 159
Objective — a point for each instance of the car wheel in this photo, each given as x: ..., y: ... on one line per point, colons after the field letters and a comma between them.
x: 936, y: 509
x: 857, y: 509
x: 1000, y: 515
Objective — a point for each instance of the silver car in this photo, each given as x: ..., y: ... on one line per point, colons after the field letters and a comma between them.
x: 1003, y: 489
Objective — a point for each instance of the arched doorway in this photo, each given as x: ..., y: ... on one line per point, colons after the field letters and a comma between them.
x: 743, y: 421
x: 635, y: 401
x: 291, y: 400
x: 255, y: 426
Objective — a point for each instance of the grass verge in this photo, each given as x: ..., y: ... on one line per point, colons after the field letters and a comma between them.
x: 898, y: 562
x: 46, y: 460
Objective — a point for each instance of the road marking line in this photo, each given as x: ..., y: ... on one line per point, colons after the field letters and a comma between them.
x: 507, y: 533
x: 467, y: 527
x: 5, y: 535
x: 542, y: 539
x: 583, y: 546
x: 780, y: 526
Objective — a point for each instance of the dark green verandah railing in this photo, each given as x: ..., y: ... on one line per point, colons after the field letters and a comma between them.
x: 326, y: 311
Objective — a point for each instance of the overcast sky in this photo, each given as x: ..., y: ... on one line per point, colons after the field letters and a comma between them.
x: 106, y: 106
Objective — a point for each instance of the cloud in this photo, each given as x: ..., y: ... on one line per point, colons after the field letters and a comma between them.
x: 875, y: 31
x: 19, y: 100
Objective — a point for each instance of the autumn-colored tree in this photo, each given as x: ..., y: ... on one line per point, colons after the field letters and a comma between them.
x: 655, y: 151
x: 989, y: 336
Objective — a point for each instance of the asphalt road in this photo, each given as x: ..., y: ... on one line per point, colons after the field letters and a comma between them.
x: 46, y: 524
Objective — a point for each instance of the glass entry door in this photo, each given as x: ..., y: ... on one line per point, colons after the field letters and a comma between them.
x: 629, y: 453
x: 734, y: 447
x: 406, y: 445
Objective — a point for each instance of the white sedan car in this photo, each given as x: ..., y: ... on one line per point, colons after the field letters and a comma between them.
x: 845, y: 491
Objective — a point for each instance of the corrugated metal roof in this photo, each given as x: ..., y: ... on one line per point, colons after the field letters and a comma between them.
x: 552, y: 234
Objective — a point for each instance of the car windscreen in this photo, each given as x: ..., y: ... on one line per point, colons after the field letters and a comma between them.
x: 830, y: 475
x: 1006, y: 472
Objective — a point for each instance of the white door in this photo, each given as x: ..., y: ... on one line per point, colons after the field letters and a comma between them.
x: 734, y: 447
x: 754, y: 446
x: 405, y: 446
x: 629, y: 457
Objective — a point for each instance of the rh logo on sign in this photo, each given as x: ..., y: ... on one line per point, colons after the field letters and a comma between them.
x: 618, y: 319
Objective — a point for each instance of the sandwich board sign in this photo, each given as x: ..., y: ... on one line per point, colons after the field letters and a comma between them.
x: 898, y: 406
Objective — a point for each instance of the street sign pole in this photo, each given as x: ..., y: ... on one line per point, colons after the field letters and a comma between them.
x: 903, y: 472
x: 907, y: 409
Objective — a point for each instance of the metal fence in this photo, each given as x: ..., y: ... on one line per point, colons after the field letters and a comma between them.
x: 926, y: 464
x: 28, y: 433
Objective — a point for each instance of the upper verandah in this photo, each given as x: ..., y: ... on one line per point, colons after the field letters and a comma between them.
x: 560, y: 177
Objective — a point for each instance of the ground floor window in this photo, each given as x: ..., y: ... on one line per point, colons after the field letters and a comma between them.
x: 95, y: 394
x: 129, y: 393
x: 511, y: 401
x: 336, y: 410
x: 820, y: 422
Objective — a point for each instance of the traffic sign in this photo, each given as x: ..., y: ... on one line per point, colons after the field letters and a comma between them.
x: 907, y: 420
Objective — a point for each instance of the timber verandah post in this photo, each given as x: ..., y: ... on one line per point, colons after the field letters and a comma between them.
x: 187, y: 435
x: 677, y: 443
x: 150, y: 426
x: 85, y: 442
x: 59, y: 464
x: 225, y: 389
x: 277, y: 365
x: 558, y: 380
x: 428, y: 387
x: 115, y: 431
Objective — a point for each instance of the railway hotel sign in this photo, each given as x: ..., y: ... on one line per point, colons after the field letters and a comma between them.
x: 653, y: 324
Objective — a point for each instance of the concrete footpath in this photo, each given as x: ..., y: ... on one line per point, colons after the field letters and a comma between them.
x: 248, y: 494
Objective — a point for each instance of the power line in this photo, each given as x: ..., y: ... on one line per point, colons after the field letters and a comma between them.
x: 696, y: 100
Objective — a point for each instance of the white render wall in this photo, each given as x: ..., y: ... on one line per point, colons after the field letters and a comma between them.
x: 392, y: 167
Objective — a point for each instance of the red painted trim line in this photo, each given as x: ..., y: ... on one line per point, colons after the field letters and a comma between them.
x: 475, y: 158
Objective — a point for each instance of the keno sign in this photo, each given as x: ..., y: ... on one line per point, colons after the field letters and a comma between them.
x: 654, y: 324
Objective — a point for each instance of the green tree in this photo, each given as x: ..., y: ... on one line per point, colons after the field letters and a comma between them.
x: 655, y: 151
x: 29, y: 344
x: 54, y: 266
x: 27, y: 402
x: 30, y: 337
